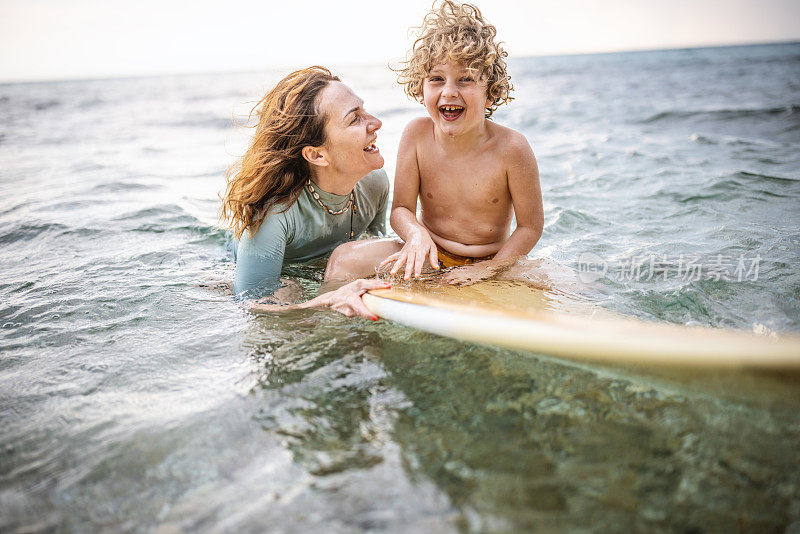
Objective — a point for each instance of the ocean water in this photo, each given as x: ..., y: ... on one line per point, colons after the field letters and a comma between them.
x: 133, y: 398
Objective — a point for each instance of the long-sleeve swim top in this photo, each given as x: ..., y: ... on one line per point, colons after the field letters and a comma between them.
x: 306, y: 231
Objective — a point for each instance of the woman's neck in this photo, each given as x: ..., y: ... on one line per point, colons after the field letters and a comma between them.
x: 333, y: 182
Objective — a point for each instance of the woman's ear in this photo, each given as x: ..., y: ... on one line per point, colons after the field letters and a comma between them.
x: 315, y: 156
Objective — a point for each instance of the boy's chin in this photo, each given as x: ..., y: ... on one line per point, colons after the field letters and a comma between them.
x: 451, y: 128
x: 456, y: 127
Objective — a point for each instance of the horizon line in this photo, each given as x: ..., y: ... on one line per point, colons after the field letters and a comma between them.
x: 89, y: 78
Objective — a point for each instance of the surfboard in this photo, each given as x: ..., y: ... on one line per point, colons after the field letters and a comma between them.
x: 519, y: 316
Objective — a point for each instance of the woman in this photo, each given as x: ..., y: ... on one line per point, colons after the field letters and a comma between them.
x: 310, y: 180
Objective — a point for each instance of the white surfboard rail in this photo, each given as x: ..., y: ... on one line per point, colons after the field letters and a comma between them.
x: 585, y: 338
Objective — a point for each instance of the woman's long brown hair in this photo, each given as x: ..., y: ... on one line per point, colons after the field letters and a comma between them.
x: 273, y: 171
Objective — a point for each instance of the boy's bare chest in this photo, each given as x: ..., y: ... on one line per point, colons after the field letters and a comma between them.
x: 476, y: 176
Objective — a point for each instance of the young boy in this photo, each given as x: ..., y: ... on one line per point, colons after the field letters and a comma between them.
x: 470, y: 174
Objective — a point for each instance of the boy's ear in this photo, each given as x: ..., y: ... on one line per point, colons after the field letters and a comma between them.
x: 315, y: 155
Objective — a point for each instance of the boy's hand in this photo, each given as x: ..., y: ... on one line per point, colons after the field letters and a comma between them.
x: 413, y: 254
x: 471, y: 274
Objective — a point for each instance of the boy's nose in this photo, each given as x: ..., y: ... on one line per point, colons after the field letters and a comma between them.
x: 450, y: 90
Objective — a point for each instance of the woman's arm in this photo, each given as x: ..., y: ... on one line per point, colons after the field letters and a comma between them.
x: 259, y: 258
x: 345, y: 300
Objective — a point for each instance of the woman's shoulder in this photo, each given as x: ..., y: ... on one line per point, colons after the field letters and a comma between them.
x: 279, y: 221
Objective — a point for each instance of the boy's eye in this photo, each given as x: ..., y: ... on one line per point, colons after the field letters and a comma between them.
x: 435, y: 79
x: 468, y: 79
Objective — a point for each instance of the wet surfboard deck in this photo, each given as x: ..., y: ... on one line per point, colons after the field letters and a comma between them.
x: 517, y: 315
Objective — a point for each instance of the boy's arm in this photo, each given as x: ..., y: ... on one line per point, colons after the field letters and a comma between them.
x: 418, y: 244
x: 526, y: 197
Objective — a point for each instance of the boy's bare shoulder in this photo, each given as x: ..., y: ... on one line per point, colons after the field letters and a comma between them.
x: 514, y: 144
x: 418, y: 126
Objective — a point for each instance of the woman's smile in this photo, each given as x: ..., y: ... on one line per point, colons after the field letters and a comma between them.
x: 372, y: 148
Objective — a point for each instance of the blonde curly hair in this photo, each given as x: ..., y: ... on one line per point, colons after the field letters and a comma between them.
x: 457, y: 32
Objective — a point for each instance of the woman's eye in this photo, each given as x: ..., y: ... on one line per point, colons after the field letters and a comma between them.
x: 355, y: 120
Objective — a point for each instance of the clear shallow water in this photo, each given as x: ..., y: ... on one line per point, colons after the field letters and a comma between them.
x: 132, y: 399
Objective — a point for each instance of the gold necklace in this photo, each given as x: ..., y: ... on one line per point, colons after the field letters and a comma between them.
x: 350, y: 202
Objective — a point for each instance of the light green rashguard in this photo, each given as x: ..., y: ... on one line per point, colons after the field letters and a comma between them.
x: 306, y: 231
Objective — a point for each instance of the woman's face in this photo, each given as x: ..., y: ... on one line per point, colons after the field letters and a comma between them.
x: 351, y: 132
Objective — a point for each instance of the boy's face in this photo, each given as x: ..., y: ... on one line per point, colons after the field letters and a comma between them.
x: 454, y: 98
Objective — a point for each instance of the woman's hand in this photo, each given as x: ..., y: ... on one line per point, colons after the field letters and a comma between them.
x: 347, y: 299
x: 416, y: 249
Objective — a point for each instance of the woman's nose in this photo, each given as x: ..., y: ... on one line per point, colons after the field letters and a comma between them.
x: 375, y: 123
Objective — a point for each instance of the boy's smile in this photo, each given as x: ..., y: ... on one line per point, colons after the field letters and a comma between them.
x: 454, y: 98
x: 451, y: 113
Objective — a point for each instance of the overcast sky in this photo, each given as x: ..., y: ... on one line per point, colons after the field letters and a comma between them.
x: 55, y: 39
